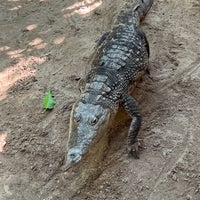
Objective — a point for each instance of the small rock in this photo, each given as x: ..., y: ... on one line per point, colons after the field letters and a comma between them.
x: 188, y: 197
x: 174, y: 177
x: 101, y: 186
x: 107, y: 183
x: 167, y: 152
x: 156, y: 144
x: 147, y: 187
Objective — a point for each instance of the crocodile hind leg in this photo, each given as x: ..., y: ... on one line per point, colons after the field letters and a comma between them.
x: 131, y: 106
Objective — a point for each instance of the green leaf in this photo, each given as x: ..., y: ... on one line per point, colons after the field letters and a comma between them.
x: 48, y: 101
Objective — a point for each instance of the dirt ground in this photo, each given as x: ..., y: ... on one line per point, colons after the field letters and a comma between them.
x: 46, y: 44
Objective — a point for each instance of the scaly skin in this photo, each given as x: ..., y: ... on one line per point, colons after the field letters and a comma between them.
x: 121, y: 59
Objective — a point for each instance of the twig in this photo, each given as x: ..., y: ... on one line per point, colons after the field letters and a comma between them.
x: 62, y: 67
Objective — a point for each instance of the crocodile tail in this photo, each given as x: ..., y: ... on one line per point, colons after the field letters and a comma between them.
x: 134, y: 13
x: 142, y: 7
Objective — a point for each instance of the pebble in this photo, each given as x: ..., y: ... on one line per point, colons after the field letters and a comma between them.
x: 101, y: 186
x: 188, y: 197
x: 174, y: 177
x: 156, y: 144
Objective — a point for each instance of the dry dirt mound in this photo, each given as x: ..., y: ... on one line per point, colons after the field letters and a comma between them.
x: 46, y: 44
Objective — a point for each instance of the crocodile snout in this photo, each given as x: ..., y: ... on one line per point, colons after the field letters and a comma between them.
x: 74, y: 155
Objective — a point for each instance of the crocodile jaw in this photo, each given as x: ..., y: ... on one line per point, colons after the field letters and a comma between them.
x: 87, y: 124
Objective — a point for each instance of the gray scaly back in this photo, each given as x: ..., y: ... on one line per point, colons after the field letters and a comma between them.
x: 122, y: 57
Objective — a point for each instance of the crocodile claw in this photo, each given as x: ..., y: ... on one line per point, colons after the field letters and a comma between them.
x: 133, y: 149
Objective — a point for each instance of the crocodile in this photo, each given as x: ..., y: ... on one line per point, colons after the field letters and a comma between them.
x: 121, y: 59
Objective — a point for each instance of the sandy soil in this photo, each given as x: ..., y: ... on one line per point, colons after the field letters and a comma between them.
x: 46, y: 44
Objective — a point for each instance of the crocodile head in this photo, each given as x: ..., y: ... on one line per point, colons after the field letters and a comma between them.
x: 87, y: 124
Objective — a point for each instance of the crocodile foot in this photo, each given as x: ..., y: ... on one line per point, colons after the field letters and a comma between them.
x: 133, y: 149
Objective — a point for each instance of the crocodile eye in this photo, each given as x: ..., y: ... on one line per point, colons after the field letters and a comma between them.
x: 93, y: 121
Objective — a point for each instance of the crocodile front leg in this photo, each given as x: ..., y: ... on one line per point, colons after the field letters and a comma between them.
x: 131, y: 106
